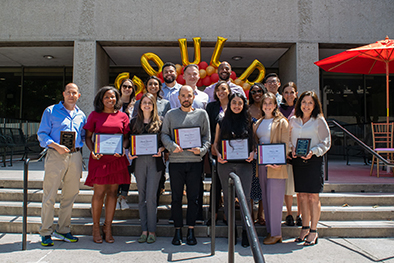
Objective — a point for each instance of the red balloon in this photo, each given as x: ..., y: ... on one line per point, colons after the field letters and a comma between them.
x: 233, y: 75
x: 139, y: 95
x: 203, y: 65
x: 161, y: 79
x: 180, y: 80
x: 160, y: 76
x: 215, y: 77
x: 199, y: 83
x: 247, y: 94
x: 206, y: 81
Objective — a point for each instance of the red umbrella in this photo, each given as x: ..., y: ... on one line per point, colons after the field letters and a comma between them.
x: 376, y: 58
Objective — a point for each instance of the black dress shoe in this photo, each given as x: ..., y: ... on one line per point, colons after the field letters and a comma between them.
x: 299, y: 221
x: 245, y: 240
x: 190, y: 238
x: 289, y: 220
x: 177, y: 240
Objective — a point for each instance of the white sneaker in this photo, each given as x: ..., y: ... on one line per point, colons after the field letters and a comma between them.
x: 117, y: 205
x: 123, y: 204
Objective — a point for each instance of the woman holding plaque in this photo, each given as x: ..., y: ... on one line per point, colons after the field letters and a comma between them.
x: 235, y: 130
x: 153, y: 86
x: 148, y: 167
x: 256, y: 92
x: 216, y: 110
x: 289, y: 94
x: 106, y: 171
x: 310, y: 139
x: 273, y: 127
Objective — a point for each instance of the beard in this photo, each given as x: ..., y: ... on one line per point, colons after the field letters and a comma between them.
x: 186, y: 104
x: 224, y: 76
x: 169, y: 79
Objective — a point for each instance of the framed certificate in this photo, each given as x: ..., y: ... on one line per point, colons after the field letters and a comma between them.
x: 143, y: 144
x: 302, y: 147
x: 67, y: 138
x: 235, y: 149
x: 271, y: 153
x: 108, y: 143
x: 188, y: 138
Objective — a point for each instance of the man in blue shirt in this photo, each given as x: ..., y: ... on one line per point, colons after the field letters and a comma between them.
x: 170, y: 85
x: 62, y: 164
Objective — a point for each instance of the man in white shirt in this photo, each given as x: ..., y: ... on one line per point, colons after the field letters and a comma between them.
x: 170, y: 85
x: 191, y: 74
x: 272, y: 83
x: 224, y: 72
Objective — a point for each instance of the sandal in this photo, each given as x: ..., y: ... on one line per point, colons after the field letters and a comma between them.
x: 314, y: 241
x: 302, y: 238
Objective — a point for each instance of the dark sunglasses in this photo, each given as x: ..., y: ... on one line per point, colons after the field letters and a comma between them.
x: 127, y: 87
x: 255, y: 91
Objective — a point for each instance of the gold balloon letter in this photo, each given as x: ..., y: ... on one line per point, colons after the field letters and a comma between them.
x: 217, y: 52
x: 120, y: 78
x: 255, y: 65
x: 138, y: 84
x: 147, y: 67
x: 185, y: 54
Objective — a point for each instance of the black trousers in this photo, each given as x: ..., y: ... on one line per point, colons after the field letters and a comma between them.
x: 181, y: 174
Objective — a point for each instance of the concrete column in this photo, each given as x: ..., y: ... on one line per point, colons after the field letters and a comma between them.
x: 307, y: 71
x: 288, y: 66
x: 90, y: 72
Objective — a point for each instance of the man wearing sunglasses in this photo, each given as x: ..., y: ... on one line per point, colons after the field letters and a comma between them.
x: 224, y: 72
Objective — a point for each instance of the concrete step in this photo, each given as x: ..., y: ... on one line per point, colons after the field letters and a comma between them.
x: 328, y: 187
x: 330, y: 199
x: 339, y: 213
x: 131, y: 227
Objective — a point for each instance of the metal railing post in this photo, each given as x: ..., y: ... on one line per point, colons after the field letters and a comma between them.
x: 213, y: 207
x: 25, y: 187
x: 231, y: 220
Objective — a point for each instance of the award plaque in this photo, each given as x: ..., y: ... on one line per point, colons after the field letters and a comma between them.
x: 188, y: 138
x: 235, y: 149
x: 108, y: 144
x: 302, y: 147
x: 272, y: 153
x: 67, y: 138
x: 144, y: 144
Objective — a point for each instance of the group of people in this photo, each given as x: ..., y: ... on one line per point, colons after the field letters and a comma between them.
x: 221, y: 112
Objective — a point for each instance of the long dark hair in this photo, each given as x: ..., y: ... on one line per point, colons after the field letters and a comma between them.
x: 216, y: 89
x: 137, y: 124
x: 98, y: 99
x: 158, y: 80
x: 260, y: 86
x: 235, y: 125
x: 130, y: 104
x: 289, y: 84
x: 317, y: 110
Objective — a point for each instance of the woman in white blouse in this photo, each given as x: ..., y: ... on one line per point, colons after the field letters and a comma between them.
x: 309, y: 123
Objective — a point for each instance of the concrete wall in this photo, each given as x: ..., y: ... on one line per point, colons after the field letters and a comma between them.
x: 312, y: 21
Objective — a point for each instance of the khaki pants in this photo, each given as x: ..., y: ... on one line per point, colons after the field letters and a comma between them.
x: 60, y: 168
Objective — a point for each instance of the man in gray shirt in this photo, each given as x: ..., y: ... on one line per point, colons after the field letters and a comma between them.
x: 186, y: 166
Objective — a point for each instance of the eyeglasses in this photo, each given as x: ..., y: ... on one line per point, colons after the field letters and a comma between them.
x: 127, y: 87
x: 272, y: 82
x: 255, y: 91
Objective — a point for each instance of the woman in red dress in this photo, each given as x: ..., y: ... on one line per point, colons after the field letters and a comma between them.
x: 106, y: 172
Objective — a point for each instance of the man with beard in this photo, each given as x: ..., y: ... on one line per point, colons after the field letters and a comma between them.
x: 224, y: 72
x: 191, y: 74
x: 170, y: 85
x: 272, y: 83
x: 186, y: 166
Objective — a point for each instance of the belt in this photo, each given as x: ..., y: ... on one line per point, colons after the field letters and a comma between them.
x: 76, y: 150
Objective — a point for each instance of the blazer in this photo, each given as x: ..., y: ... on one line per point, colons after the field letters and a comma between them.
x: 279, y: 134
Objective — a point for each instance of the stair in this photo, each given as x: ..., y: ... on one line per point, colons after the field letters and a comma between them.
x: 348, y: 210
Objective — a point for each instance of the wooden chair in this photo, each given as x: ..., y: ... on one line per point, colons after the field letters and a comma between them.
x: 382, y: 137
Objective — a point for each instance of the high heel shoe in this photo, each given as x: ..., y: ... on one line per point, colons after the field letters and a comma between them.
x: 96, y: 233
x: 314, y: 241
x: 107, y: 233
x: 272, y: 240
x: 302, y: 238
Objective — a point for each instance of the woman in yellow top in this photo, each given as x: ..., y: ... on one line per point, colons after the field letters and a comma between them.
x: 273, y: 127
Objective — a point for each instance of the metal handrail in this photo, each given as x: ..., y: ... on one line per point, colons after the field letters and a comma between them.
x: 251, y: 230
x: 25, y: 188
x: 213, y: 204
x: 362, y: 144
